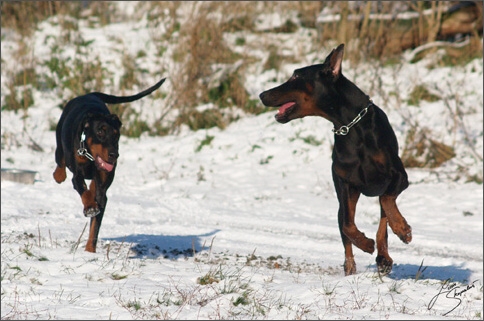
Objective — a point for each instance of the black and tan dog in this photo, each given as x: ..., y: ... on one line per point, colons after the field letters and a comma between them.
x: 87, y: 137
x: 365, y: 153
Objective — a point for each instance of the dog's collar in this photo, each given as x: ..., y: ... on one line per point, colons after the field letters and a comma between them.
x: 344, y: 130
x: 82, y: 151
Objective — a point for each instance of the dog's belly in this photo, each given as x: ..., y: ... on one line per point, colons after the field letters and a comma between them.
x: 374, y: 189
x: 368, y: 180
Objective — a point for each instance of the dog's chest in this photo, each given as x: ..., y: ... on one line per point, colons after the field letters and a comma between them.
x: 360, y: 166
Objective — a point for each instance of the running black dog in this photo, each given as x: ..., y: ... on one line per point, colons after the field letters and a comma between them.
x: 365, y: 153
x: 87, y: 137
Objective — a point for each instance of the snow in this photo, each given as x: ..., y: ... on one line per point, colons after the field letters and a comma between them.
x: 246, y: 226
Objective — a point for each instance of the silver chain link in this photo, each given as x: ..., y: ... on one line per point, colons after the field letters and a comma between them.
x: 82, y: 151
x: 343, y: 130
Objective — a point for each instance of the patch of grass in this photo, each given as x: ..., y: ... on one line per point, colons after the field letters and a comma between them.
x: 133, y: 125
x: 229, y: 92
x: 422, y: 151
x: 419, y: 93
x: 266, y: 160
x: 395, y: 287
x: 242, y: 299
x: 310, y: 139
x: 420, y: 271
x: 75, y: 74
x: 205, y: 142
x: 208, y: 278
x: 135, y: 128
x: 27, y: 251
x: 274, y: 60
x: 254, y: 107
x: 130, y: 77
x: 135, y: 304
x: 201, y: 120
x: 288, y: 27
x: 240, y: 41
x: 18, y: 101
x: 25, y: 76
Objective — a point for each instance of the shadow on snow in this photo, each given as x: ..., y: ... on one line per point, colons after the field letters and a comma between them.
x: 454, y: 273
x: 166, y: 246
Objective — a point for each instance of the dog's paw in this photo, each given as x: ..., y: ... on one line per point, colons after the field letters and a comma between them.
x: 91, y: 212
x: 384, y: 264
x: 369, y: 246
x: 365, y: 244
x: 349, y: 266
x: 406, y: 234
x: 60, y: 174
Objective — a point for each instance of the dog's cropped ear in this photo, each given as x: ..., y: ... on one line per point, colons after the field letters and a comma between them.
x: 115, y: 119
x: 334, y: 60
x: 87, y: 119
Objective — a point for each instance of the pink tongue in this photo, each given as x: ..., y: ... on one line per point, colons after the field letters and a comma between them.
x: 284, y: 107
x: 103, y: 164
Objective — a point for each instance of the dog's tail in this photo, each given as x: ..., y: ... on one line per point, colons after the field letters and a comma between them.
x: 110, y: 99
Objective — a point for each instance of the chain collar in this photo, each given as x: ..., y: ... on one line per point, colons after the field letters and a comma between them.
x: 343, y: 130
x: 82, y: 151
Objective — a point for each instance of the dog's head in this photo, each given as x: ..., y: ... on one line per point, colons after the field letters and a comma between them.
x: 311, y: 91
x: 102, y: 134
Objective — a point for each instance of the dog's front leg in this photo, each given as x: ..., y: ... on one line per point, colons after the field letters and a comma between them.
x: 60, y: 173
x: 94, y: 232
x: 396, y: 221
x: 91, y: 208
x: 103, y: 182
x: 347, y: 198
x: 99, y: 187
x: 349, y: 226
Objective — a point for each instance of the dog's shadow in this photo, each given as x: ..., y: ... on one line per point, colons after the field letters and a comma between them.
x: 422, y: 272
x: 145, y: 246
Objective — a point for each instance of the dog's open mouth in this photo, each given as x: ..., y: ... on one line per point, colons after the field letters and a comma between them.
x: 101, y: 164
x: 284, y: 111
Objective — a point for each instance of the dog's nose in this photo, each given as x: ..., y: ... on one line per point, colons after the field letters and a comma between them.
x: 113, y: 155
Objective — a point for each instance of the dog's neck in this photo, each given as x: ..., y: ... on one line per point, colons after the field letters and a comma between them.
x: 349, y: 104
x: 344, y: 129
x: 346, y: 113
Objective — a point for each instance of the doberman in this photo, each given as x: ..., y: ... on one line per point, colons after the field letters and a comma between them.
x: 87, y: 137
x: 365, y: 152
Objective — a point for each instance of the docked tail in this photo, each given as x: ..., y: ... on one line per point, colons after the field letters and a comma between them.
x: 110, y: 99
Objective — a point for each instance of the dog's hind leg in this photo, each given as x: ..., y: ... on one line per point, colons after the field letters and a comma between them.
x: 397, y: 222
x: 383, y: 260
x: 94, y: 232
